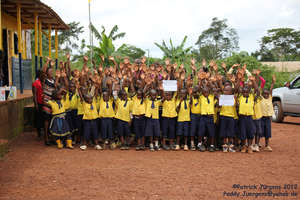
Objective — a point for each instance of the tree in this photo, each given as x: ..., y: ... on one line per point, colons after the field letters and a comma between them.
x: 218, y: 41
x: 175, y: 53
x: 112, y: 34
x: 280, y: 44
x: 131, y: 51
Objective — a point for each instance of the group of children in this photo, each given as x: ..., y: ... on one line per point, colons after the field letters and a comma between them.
x: 116, y: 102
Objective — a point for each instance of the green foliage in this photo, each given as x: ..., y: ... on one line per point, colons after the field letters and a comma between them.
x: 130, y: 51
x: 174, y: 53
x: 112, y: 34
x: 281, y: 44
x: 218, y: 41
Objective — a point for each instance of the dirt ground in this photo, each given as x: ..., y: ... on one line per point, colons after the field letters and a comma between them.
x: 33, y: 171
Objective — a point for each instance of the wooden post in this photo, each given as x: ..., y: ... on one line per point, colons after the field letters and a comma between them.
x: 41, y: 43
x: 49, y: 40
x: 20, y: 45
x: 56, y: 49
x: 36, y: 50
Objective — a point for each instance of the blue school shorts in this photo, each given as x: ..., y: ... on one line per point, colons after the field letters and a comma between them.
x: 106, y: 128
x: 257, y: 127
x: 152, y: 127
x: 123, y: 128
x: 90, y: 129
x: 168, y: 127
x: 195, y: 125
x: 139, y: 126
x: 227, y: 127
x: 207, y: 124
x: 183, y: 128
x: 246, y: 127
x: 266, y: 127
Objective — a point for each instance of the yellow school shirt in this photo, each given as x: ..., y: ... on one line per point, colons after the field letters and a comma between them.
x: 138, y: 106
x: 152, y: 112
x: 207, y: 105
x: 257, y: 109
x: 89, y: 111
x: 65, y: 100
x: 106, y: 108
x: 228, y: 111
x: 246, y: 108
x: 217, y: 110
x: 196, y: 106
x: 123, y: 113
x: 79, y: 107
x: 169, y: 108
x: 184, y: 110
x: 56, y: 109
x: 267, y: 107
x: 73, y: 103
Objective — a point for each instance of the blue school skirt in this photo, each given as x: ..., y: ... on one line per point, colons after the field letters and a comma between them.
x: 59, y: 126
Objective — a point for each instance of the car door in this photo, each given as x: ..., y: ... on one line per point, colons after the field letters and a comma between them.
x: 292, y: 97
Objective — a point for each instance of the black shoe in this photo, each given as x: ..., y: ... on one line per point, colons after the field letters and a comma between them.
x: 47, y: 143
x: 127, y: 147
x: 156, y: 148
x: 166, y: 147
x: 202, y: 148
x: 211, y: 148
x: 142, y: 147
x: 123, y: 147
x: 138, y: 148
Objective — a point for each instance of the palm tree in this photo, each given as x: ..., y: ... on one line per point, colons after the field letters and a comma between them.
x: 175, y: 53
x: 112, y: 34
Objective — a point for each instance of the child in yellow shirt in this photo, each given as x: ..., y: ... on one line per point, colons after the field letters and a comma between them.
x: 183, y: 119
x: 168, y: 121
x: 195, y: 116
x: 59, y: 126
x: 123, y: 110
x: 90, y: 125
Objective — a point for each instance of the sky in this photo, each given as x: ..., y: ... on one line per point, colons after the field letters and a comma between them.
x: 149, y: 21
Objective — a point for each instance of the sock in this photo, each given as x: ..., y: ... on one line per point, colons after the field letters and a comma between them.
x: 156, y: 143
x: 192, y: 143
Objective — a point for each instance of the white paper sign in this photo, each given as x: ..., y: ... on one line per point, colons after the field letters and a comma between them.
x: 226, y: 100
x: 2, y: 94
x: 170, y: 85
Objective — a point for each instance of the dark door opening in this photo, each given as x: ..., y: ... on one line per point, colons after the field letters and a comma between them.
x: 4, y: 60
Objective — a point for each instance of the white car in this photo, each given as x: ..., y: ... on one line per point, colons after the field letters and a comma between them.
x: 286, y: 100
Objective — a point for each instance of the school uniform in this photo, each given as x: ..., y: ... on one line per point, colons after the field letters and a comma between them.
x: 246, y: 111
x: 90, y: 115
x: 124, y: 107
x: 227, y: 122
x: 79, y: 117
x: 168, y: 121
x: 267, y: 112
x: 71, y: 101
x: 207, y: 115
x: 257, y: 117
x: 59, y: 126
x: 152, y: 118
x: 138, y: 112
x: 184, y: 118
x: 195, y: 116
x: 106, y: 115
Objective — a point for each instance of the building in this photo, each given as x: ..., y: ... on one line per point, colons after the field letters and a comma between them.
x: 18, y: 19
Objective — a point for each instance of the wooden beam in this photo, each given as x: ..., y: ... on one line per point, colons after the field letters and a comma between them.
x: 40, y: 38
x: 1, y: 46
x: 49, y: 40
x: 36, y: 34
x: 19, y: 28
x: 56, y: 44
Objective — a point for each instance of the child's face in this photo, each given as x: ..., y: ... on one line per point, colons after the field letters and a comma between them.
x: 105, y: 96
x: 168, y: 96
x: 183, y: 94
x: 153, y: 95
x: 228, y: 90
x: 59, y: 96
x: 72, y: 88
x: 246, y: 92
x: 205, y: 92
x: 266, y: 94
x: 139, y: 94
x: 89, y: 100
x: 124, y: 96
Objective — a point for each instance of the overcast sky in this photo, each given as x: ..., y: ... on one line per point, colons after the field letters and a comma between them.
x: 149, y: 21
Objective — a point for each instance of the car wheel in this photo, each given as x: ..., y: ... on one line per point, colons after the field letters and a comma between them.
x: 278, y: 113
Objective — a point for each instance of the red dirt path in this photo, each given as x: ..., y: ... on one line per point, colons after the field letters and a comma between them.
x: 33, y: 171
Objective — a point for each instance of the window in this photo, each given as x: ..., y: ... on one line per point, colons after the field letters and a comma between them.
x: 296, y: 84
